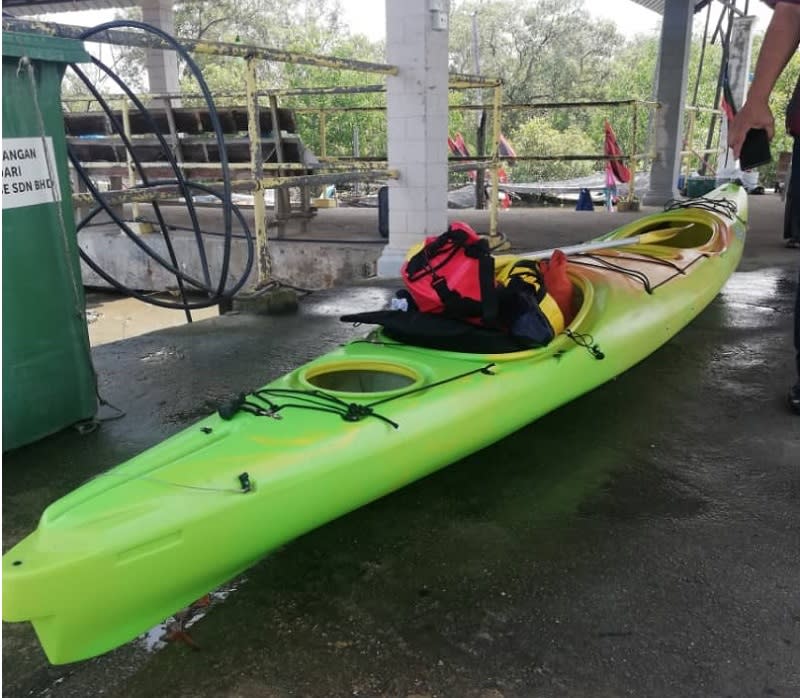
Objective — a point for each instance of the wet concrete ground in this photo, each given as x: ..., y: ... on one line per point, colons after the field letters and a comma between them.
x: 643, y: 540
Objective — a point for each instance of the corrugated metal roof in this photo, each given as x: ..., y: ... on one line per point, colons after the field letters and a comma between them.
x: 25, y: 8
x: 658, y: 5
x: 655, y: 5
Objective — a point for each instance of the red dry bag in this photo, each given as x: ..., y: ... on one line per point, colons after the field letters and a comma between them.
x: 453, y: 275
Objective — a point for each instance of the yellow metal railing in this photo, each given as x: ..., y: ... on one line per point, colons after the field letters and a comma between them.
x: 252, y: 55
x: 690, y: 154
x: 333, y: 170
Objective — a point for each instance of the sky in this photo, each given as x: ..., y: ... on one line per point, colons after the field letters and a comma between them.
x: 368, y: 16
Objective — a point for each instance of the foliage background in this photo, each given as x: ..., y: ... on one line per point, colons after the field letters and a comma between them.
x: 544, y: 50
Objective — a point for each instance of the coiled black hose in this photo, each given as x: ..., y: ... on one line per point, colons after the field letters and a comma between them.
x: 214, y: 292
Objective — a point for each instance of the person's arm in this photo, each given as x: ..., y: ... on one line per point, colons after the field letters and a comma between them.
x: 780, y: 42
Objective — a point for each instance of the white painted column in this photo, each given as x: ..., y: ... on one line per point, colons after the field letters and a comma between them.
x: 416, y: 42
x: 739, y: 50
x: 162, y: 66
x: 673, y: 68
x: 741, y: 46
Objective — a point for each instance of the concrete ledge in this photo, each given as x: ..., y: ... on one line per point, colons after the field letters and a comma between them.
x: 275, y: 301
x: 309, y: 264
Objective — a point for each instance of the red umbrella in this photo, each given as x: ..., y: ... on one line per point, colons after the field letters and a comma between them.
x: 505, y: 149
x: 453, y: 147
x: 620, y: 170
x: 459, y: 148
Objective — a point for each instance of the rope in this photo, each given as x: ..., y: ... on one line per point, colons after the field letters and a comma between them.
x: 725, y: 207
x: 681, y: 270
x: 173, y: 265
x: 651, y: 259
x: 215, y: 290
x: 324, y: 402
x: 586, y: 341
x: 603, y: 263
x: 194, y: 69
x: 485, y: 370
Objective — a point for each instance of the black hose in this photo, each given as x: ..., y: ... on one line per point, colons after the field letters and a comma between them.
x: 188, y: 305
x: 166, y: 150
x: 186, y: 187
x: 213, y: 116
x: 173, y: 264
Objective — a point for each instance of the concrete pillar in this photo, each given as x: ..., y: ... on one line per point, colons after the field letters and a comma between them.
x: 673, y: 69
x: 741, y: 46
x: 162, y: 66
x: 739, y: 50
x: 416, y: 42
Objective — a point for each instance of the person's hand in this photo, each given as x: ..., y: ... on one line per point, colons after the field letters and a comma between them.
x: 754, y: 114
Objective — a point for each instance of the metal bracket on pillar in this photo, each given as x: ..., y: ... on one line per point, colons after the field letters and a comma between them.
x: 438, y: 10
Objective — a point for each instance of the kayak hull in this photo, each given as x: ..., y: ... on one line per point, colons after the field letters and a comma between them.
x: 147, y: 538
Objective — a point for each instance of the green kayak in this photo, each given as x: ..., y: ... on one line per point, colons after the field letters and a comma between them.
x: 150, y: 536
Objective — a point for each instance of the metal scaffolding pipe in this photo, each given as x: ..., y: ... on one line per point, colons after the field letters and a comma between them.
x: 218, y: 48
x: 171, y: 191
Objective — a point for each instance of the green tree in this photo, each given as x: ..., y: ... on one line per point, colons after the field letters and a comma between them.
x: 311, y: 27
x: 542, y: 49
x: 545, y: 51
x: 539, y: 137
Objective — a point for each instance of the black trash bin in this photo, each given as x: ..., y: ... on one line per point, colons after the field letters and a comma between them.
x: 383, y: 211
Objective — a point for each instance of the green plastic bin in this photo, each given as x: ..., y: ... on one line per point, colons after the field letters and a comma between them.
x: 700, y: 186
x: 48, y: 378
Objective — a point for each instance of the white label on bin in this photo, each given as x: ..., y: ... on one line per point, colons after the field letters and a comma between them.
x: 27, y: 179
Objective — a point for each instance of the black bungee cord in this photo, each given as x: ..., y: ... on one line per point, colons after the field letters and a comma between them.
x: 325, y: 402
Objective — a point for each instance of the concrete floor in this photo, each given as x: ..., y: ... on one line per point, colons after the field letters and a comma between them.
x: 643, y: 540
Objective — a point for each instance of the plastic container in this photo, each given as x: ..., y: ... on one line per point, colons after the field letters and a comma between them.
x: 699, y: 186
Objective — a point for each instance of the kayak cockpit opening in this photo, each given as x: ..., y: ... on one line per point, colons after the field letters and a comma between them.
x: 685, y: 233
x: 361, y: 377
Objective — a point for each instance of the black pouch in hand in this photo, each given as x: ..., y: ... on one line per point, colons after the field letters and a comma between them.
x: 755, y: 149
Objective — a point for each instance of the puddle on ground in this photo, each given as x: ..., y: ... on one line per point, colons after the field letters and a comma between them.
x: 156, y: 638
x: 355, y: 300
x: 162, y: 355
x: 111, y: 317
x: 750, y: 298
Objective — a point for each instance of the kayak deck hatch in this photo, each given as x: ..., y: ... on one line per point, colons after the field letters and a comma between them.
x: 361, y: 377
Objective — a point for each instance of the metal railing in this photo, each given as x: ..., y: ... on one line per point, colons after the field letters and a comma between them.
x: 252, y: 55
x: 281, y: 175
